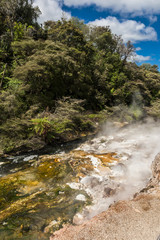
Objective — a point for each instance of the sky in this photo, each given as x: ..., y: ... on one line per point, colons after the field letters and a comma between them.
x: 135, y: 20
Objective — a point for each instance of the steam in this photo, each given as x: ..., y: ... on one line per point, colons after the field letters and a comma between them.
x: 136, y: 146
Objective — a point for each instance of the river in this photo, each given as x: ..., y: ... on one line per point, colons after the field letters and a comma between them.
x: 41, y: 192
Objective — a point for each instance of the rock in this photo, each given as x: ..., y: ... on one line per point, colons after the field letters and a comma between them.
x: 120, y: 124
x: 26, y: 159
x: 81, y: 197
x: 156, y: 169
x: 53, y: 223
x: 158, y: 237
x: 108, y: 192
x: 78, y: 219
x: 1, y: 163
x: 91, y: 181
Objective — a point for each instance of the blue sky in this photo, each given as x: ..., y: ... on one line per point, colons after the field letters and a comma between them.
x: 135, y: 20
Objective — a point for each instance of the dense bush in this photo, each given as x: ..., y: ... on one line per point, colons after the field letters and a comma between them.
x: 52, y: 78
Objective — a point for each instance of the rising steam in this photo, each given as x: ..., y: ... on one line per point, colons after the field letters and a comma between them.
x: 136, y: 146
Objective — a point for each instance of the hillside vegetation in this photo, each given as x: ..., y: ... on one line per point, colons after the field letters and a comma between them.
x: 60, y: 80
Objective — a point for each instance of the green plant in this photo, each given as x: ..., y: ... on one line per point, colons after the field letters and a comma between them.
x: 41, y: 126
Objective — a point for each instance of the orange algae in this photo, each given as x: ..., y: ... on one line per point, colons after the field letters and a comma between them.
x: 81, y: 166
x: 106, y: 158
x: 81, y: 160
x: 79, y: 153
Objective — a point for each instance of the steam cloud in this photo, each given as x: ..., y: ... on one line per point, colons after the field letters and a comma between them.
x: 136, y: 146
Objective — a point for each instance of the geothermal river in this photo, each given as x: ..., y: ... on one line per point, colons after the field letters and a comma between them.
x: 55, y: 188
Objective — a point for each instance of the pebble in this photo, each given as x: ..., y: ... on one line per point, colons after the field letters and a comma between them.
x: 81, y: 197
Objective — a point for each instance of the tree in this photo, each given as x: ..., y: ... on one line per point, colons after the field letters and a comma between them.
x: 149, y: 67
x: 103, y: 39
x: 21, y: 11
x: 65, y: 32
x: 125, y: 51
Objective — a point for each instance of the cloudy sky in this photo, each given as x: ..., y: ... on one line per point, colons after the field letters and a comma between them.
x: 135, y: 20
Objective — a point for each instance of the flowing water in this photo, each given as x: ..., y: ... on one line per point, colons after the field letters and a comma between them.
x: 38, y: 194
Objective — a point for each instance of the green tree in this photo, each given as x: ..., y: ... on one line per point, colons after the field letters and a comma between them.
x: 66, y: 32
x: 103, y: 39
x: 20, y: 11
x: 149, y: 67
x: 57, y: 71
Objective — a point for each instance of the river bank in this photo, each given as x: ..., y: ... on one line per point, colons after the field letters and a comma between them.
x: 50, y: 130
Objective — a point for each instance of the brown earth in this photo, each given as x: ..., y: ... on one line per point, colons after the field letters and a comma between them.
x: 137, y: 219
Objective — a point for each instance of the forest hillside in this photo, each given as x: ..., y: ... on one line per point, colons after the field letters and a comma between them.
x: 59, y: 81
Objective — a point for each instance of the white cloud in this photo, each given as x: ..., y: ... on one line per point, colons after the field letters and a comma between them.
x: 51, y: 10
x: 152, y: 19
x: 138, y: 49
x: 137, y: 7
x: 129, y: 29
x: 139, y: 58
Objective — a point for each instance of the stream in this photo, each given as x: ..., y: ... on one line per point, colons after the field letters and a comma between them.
x: 40, y: 193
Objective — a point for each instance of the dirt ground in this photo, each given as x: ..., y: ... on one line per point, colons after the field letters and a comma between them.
x: 138, y: 219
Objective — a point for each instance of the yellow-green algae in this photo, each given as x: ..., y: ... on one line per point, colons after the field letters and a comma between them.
x: 31, y: 199
x: 37, y: 201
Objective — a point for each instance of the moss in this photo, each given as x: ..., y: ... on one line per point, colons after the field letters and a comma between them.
x: 32, y: 198
x: 46, y: 207
x: 8, y: 191
x: 51, y: 169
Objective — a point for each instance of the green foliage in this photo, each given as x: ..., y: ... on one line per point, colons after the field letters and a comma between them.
x: 10, y: 105
x: 20, y: 11
x: 21, y: 30
x: 14, y: 133
x: 23, y: 49
x: 59, y: 78
x: 57, y: 70
x: 41, y: 126
x: 149, y: 67
x: 130, y: 114
x: 67, y: 32
x: 152, y: 80
x: 68, y: 121
x: 17, y: 18
x: 154, y: 109
x: 48, y: 130
x: 103, y: 39
x: 13, y: 84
